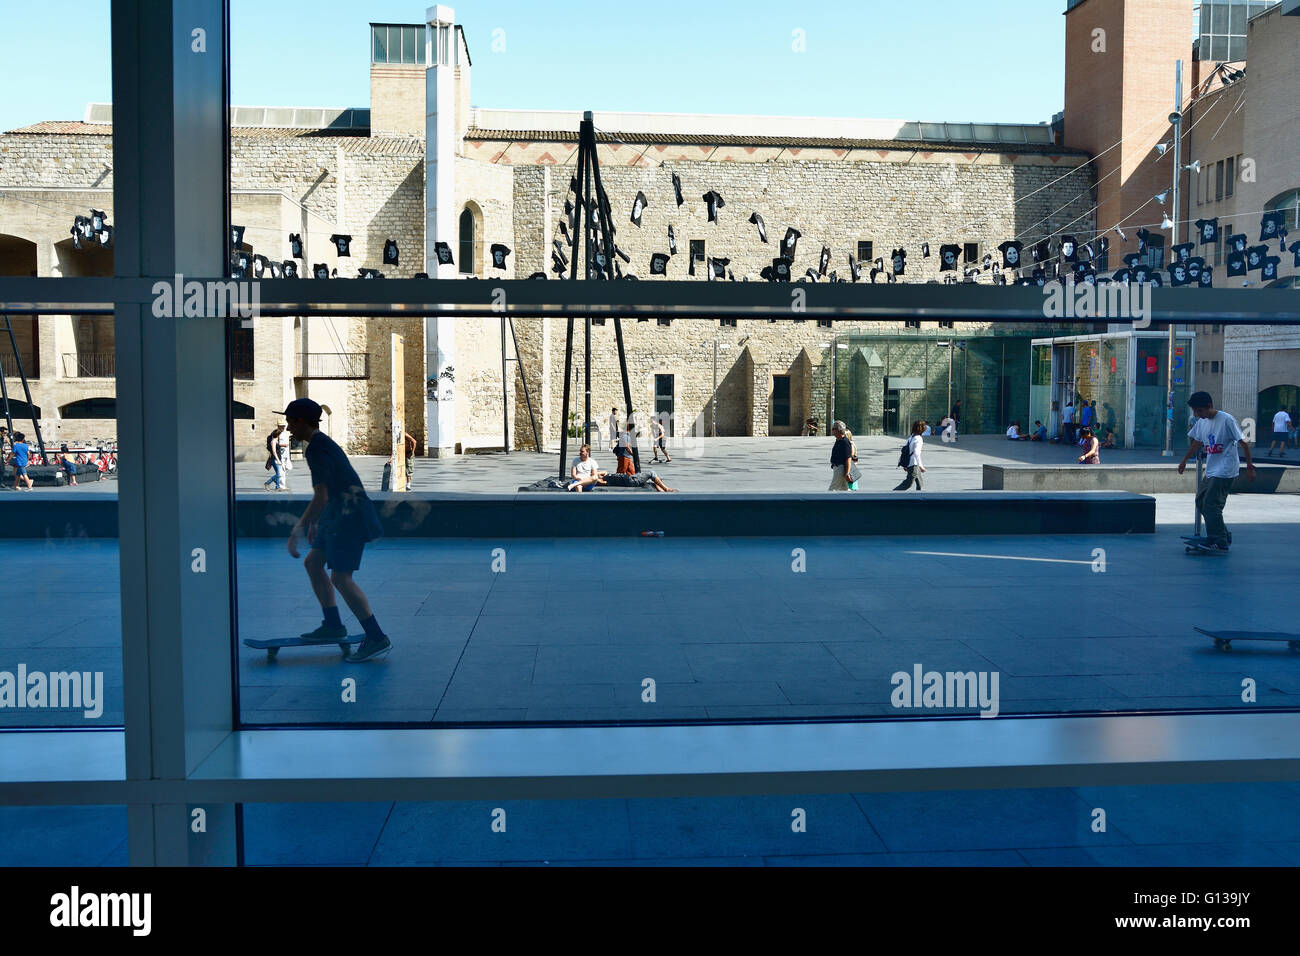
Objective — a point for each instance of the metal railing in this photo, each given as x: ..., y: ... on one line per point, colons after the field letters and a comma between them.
x: 332, y: 365
x: 9, y: 366
x: 87, y: 365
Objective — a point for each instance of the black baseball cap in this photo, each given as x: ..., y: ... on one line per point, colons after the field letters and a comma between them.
x: 303, y: 408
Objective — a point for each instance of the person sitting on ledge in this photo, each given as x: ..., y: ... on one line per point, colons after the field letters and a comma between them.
x: 1013, y: 433
x: 1110, y: 439
x: 639, y: 480
x: 1040, y: 432
x: 584, y: 472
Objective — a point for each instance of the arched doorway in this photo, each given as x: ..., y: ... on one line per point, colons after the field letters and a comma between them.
x: 18, y: 258
x: 1271, y: 401
x: 469, y: 260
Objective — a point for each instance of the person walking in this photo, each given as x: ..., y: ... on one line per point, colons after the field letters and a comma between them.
x: 1067, y: 423
x: 658, y: 439
x: 338, y: 524
x: 853, y: 460
x: 22, y: 455
x: 1281, y: 431
x: 5, y: 449
x: 1219, y: 434
x: 285, y: 440
x: 273, y: 463
x: 408, y: 444
x: 955, y: 415
x: 626, y: 463
x: 915, y: 466
x: 1091, y: 448
x: 841, y: 458
x: 613, y: 429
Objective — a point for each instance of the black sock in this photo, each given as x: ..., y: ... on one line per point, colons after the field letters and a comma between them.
x: 332, y: 615
x: 371, y: 627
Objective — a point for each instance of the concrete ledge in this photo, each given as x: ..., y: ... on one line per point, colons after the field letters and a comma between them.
x: 1138, y: 479
x: 559, y: 515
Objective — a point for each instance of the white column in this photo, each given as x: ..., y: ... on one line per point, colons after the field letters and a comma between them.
x: 440, y: 224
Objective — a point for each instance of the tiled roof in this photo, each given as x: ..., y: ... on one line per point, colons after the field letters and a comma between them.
x: 78, y: 128
x: 799, y: 142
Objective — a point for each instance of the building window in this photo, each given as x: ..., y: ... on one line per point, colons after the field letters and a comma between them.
x: 945, y: 325
x: 912, y: 324
x: 864, y: 250
x: 780, y: 401
x: 727, y: 323
x: 665, y: 321
x: 824, y: 323
x: 1214, y: 368
x: 1289, y: 203
x: 971, y: 251
x: 465, y: 261
x: 1218, y: 180
x: 1229, y: 175
x: 697, y: 250
x: 397, y: 43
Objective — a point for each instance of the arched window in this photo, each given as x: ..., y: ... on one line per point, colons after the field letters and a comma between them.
x: 91, y: 408
x: 466, y: 258
x: 1288, y: 202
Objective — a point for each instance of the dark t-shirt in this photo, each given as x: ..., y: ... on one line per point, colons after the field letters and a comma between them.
x: 348, y: 508
x: 841, y: 452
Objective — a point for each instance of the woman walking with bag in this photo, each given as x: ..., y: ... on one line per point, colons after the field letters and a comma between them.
x: 915, y: 467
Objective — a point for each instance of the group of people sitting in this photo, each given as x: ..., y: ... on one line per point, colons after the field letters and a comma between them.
x: 587, y: 475
x: 1088, y: 440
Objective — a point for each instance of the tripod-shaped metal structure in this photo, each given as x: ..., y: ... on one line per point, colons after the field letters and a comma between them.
x: 593, y: 224
x: 27, y: 391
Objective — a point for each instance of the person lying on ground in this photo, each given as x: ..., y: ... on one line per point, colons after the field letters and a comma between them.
x: 639, y: 480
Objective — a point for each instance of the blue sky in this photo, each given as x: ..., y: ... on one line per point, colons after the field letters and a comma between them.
x: 936, y: 60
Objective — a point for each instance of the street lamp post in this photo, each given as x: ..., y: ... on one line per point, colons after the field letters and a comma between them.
x: 1176, y: 118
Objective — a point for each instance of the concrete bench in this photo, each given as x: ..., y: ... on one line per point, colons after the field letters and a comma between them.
x: 1139, y: 479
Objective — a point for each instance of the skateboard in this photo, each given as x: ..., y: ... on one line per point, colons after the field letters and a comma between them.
x: 272, y: 647
x: 1195, y: 545
x: 1223, y: 639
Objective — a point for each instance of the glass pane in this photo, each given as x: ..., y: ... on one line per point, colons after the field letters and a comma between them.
x: 1236, y: 48
x: 1219, y: 49
x: 1237, y: 19
x: 408, y: 44
x: 379, y: 46
x: 421, y: 52
x: 445, y: 55
x: 1218, y: 17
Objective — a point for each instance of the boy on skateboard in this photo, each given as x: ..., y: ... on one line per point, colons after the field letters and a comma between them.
x: 338, y: 523
x: 1220, y: 435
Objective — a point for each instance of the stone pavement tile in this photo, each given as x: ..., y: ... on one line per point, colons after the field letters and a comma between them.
x: 480, y: 715
x: 535, y: 830
x: 957, y: 858
x: 423, y: 695
x: 707, y: 694
x: 1288, y: 851
x: 1187, y: 854
x: 1012, y: 688
x: 577, y: 697
x: 762, y: 662
x: 760, y: 826
x: 371, y: 715
x: 845, y: 711
x: 619, y: 713
x: 1063, y: 657
x: 843, y: 690
x: 99, y: 631
x: 1186, y: 683
x: 537, y: 631
x: 1236, y: 813
x: 983, y: 819
x: 60, y: 836
x: 685, y: 861
x: 297, y: 834
x: 870, y: 660
x: 119, y: 856
x: 1035, y: 620
x: 604, y: 664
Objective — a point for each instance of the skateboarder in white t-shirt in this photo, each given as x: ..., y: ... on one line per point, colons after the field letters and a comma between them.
x: 1220, y: 435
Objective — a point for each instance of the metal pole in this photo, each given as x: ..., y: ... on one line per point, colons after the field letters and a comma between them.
x: 952, y: 344
x: 835, y: 347
x: 27, y: 392
x: 505, y: 407
x: 1177, y: 118
x: 1200, y: 470
x: 589, y: 236
x: 519, y: 360
x: 715, y: 388
x: 564, y: 413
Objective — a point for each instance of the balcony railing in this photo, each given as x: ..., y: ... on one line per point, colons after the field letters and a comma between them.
x: 9, y: 367
x: 88, y: 365
x: 335, y: 365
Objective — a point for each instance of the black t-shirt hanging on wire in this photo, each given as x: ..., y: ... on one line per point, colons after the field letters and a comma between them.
x: 677, y: 189
x: 343, y: 244
x: 390, y: 253
x: 1069, y: 248
x: 1295, y: 250
x: 1268, y: 271
x: 715, y: 202
x: 948, y: 257
x: 1255, y: 257
x: 638, y: 207
x: 1237, y: 243
x: 898, y: 259
x: 1195, y: 265
x: 295, y: 245
x: 1011, y: 253
x: 443, y: 253
x: 1182, y: 252
x: 1207, y: 231
x: 1207, y: 278
x: 825, y: 262
x: 499, y: 253
x: 1236, y: 263
x: 1270, y: 224
x: 672, y: 242
x: 757, y: 220
x: 790, y: 242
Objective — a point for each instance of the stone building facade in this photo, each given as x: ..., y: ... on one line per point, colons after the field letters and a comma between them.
x: 861, y: 188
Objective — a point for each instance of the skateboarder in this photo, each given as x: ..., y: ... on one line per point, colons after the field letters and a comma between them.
x: 1220, y: 435
x: 338, y: 523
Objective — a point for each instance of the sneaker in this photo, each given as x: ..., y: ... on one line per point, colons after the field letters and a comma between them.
x: 371, y: 647
x: 326, y: 633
